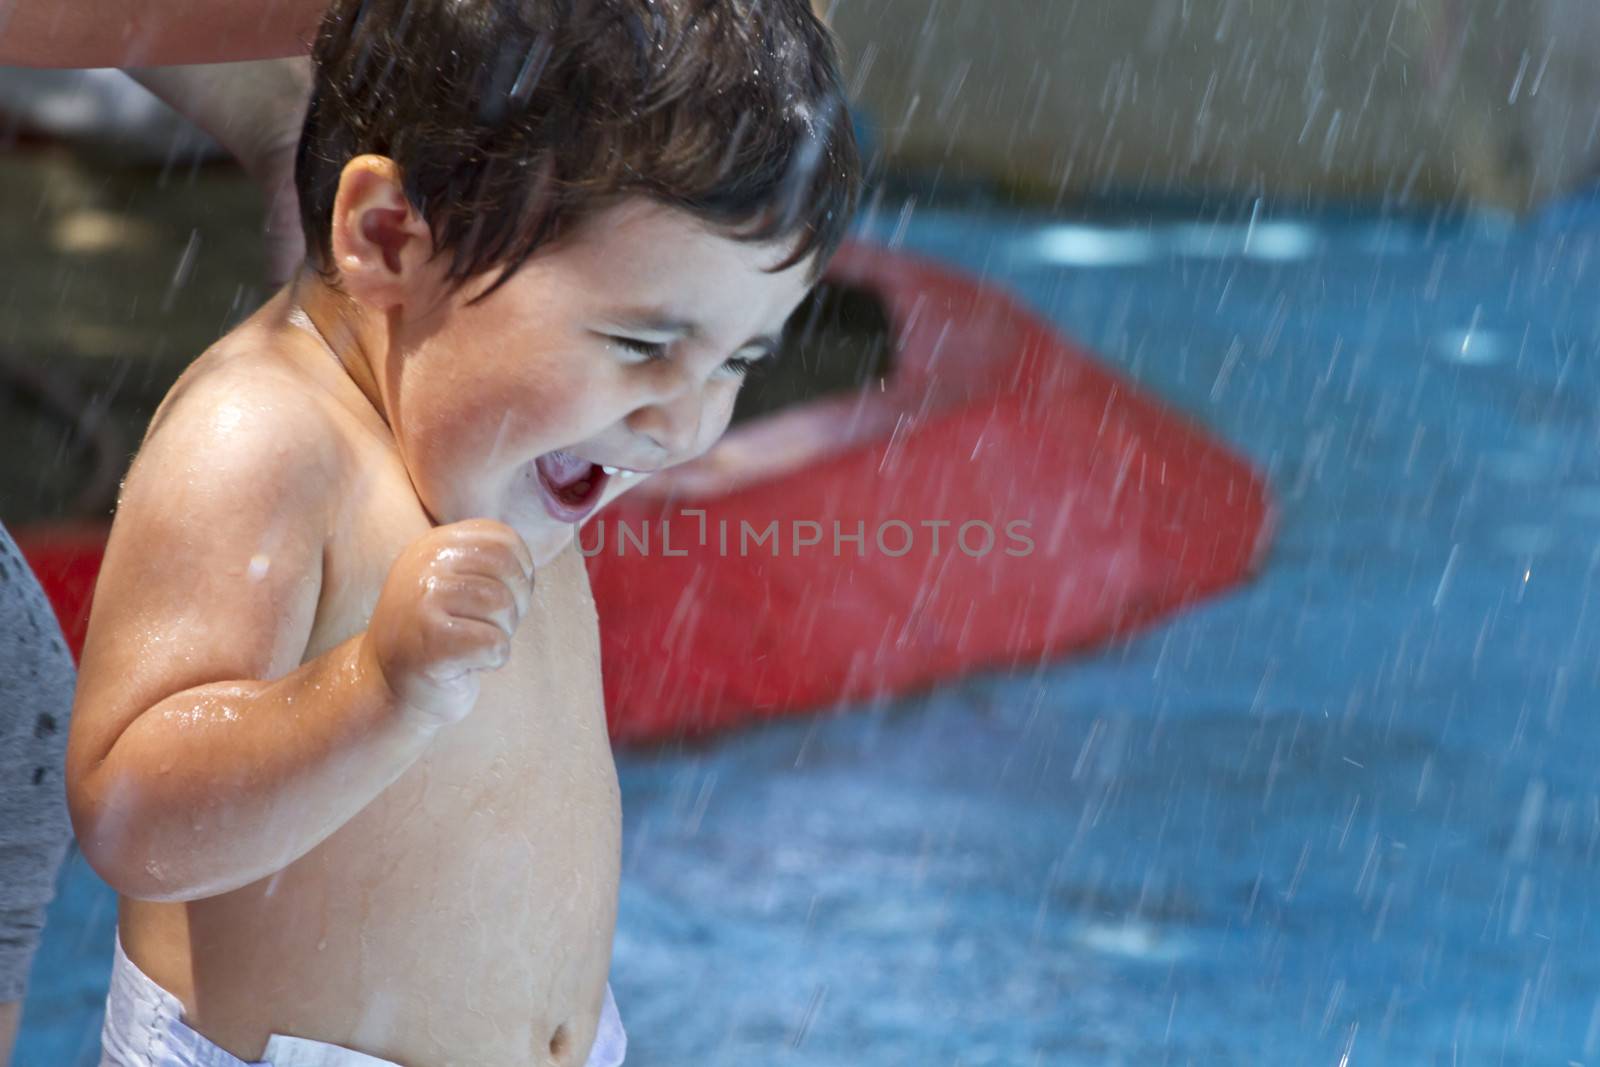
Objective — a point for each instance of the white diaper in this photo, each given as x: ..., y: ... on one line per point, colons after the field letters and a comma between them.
x: 145, y: 1028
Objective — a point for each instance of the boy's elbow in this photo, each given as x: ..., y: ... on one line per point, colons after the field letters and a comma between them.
x: 130, y: 868
x: 105, y: 835
x: 115, y: 837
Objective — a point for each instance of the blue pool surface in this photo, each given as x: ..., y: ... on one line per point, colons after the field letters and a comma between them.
x: 1348, y: 814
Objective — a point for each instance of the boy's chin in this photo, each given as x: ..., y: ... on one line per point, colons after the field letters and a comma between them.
x: 545, y: 535
x: 545, y: 540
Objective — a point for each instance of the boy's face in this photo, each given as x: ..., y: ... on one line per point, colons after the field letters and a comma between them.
x: 619, y: 347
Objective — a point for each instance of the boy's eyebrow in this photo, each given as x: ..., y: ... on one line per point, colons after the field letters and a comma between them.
x: 650, y: 321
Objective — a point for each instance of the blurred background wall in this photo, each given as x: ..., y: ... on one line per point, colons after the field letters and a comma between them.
x: 1494, y: 102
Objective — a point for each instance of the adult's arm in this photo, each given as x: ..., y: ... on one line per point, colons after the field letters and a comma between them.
x: 123, y: 33
x: 36, y: 679
x: 255, y: 111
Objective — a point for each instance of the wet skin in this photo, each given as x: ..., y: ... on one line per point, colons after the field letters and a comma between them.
x: 340, y: 740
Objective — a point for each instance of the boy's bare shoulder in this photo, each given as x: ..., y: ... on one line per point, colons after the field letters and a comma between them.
x: 246, y: 417
x: 224, y: 517
x: 247, y: 455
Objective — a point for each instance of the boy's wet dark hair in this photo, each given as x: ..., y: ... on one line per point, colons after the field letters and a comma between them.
x: 513, y: 120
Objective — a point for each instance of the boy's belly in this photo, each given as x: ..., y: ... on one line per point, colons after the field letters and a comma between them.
x: 464, y: 917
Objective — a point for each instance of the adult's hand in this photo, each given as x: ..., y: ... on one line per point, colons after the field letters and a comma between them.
x: 10, y: 1019
x: 123, y: 33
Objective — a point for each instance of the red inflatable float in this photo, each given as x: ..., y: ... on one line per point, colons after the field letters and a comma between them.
x: 998, y: 499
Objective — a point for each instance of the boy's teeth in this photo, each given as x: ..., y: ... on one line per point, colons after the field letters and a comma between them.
x: 608, y: 470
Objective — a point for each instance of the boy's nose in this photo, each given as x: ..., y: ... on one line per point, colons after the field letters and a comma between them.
x: 672, y: 426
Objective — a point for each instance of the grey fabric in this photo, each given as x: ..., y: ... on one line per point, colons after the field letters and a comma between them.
x: 36, y: 680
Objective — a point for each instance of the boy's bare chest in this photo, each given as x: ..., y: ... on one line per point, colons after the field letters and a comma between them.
x: 552, y: 683
x: 496, y: 855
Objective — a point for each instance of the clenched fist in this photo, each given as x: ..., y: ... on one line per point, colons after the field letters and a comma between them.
x: 447, y: 611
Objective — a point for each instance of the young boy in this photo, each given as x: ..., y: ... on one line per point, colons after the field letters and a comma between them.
x: 339, y: 739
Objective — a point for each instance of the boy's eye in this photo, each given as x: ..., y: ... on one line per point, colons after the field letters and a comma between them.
x: 738, y: 366
x: 648, y: 349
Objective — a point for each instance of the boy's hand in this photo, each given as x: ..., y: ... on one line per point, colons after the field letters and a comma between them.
x: 448, y: 610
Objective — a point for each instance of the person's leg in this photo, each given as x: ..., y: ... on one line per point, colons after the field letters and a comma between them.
x: 36, y: 680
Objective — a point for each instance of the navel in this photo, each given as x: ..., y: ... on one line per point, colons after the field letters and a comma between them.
x: 560, y: 1042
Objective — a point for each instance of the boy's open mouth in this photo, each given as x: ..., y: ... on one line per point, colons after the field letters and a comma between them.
x: 571, y: 486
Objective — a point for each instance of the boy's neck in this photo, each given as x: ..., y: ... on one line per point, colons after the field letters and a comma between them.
x: 345, y: 329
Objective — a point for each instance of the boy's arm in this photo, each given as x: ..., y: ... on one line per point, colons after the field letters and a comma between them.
x: 120, y: 33
x: 180, y: 761
x: 202, y: 756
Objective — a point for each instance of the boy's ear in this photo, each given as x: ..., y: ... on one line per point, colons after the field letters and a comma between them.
x: 380, y: 243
